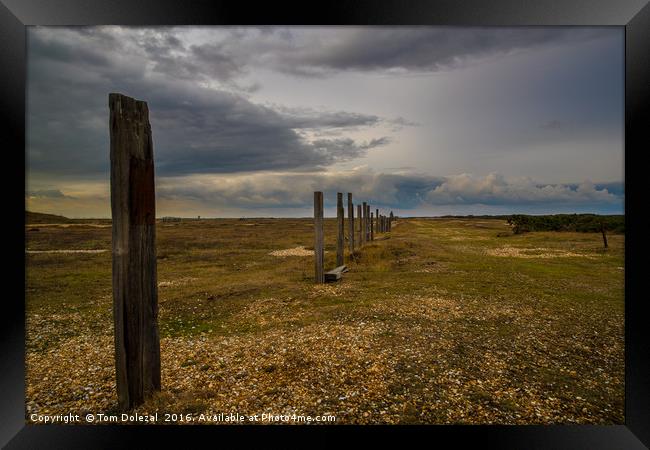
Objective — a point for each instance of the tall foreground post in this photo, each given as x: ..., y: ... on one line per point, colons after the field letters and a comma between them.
x: 351, y: 222
x: 318, y: 238
x: 341, y: 230
x: 372, y: 230
x: 135, y: 288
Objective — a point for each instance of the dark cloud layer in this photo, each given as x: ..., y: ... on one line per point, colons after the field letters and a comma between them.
x: 316, y: 52
x: 199, y: 129
x: 196, y: 129
x: 415, y: 48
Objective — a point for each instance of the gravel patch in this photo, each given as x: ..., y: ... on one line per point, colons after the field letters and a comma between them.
x: 296, y: 251
x: 513, y: 252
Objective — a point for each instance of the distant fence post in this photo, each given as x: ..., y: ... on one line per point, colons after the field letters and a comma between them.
x: 366, y: 237
x: 368, y: 222
x: 364, y: 232
x: 351, y: 222
x: 340, y: 237
x: 135, y: 287
x: 390, y: 221
x: 360, y: 217
x: 377, y: 220
x: 318, y: 238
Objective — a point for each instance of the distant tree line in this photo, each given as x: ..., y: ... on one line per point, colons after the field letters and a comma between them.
x: 585, y: 223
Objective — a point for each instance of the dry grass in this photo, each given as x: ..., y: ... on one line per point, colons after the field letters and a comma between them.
x: 513, y: 252
x: 421, y: 330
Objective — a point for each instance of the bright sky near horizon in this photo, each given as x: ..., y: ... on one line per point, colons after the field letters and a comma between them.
x: 250, y: 121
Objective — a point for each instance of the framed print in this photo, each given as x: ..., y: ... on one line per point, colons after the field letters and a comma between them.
x: 366, y: 217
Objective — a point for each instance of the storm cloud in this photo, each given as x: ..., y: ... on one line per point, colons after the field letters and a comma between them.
x: 424, y: 49
x: 232, y: 52
x: 252, y: 120
x: 197, y: 129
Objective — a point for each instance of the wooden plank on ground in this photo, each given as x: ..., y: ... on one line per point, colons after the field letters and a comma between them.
x: 336, y: 273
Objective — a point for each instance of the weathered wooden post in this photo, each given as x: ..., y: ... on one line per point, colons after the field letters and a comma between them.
x: 351, y: 222
x: 364, y: 232
x: 390, y: 221
x: 360, y: 216
x: 377, y: 220
x: 602, y: 230
x: 135, y: 288
x: 340, y: 237
x: 368, y: 222
x: 372, y: 231
x: 366, y: 235
x: 318, y: 238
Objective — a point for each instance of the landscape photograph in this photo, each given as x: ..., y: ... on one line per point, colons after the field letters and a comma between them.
x: 325, y: 225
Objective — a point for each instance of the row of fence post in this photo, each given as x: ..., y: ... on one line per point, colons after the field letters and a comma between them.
x: 369, y: 224
x: 134, y: 268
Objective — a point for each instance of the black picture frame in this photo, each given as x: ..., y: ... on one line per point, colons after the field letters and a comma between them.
x: 634, y: 15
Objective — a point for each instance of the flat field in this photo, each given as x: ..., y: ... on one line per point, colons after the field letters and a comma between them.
x: 441, y: 321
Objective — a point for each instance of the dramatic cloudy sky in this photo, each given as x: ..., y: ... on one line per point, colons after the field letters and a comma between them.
x: 251, y: 121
